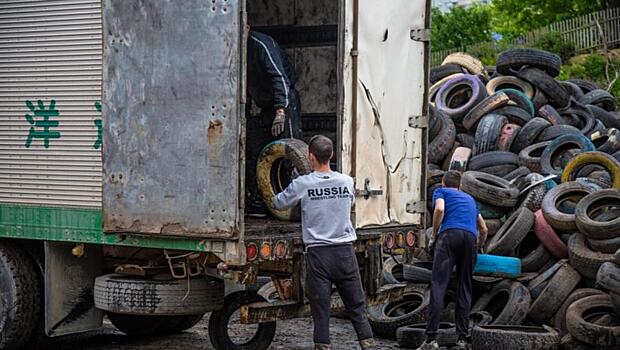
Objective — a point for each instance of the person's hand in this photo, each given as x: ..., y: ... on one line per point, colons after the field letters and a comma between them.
x: 431, y: 246
x: 277, y: 127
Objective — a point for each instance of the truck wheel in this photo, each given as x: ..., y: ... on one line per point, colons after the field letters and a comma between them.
x: 20, y: 295
x: 219, y: 325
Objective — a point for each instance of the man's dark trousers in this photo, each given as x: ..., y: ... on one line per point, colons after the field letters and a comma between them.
x: 453, y: 247
x: 335, y: 264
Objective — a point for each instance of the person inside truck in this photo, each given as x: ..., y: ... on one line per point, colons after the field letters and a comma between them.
x: 456, y: 223
x: 326, y: 198
x: 271, y: 85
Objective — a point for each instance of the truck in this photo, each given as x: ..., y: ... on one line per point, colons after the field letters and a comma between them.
x: 123, y: 134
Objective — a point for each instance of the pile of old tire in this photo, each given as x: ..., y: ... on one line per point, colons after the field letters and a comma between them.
x: 540, y: 156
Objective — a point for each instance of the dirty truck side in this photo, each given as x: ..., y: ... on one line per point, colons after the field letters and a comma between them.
x: 123, y: 138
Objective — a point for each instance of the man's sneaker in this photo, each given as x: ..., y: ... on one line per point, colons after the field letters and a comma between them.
x: 462, y: 344
x: 432, y: 345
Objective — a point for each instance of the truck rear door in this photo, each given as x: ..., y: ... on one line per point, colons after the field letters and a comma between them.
x: 384, y: 108
x: 172, y: 105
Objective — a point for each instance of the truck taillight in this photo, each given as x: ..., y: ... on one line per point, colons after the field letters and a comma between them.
x: 251, y: 251
x: 265, y: 250
x: 280, y: 249
x: 410, y: 239
x: 400, y: 239
x: 389, y: 241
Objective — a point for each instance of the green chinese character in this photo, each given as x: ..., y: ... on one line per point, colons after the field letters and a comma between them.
x: 99, y: 125
x: 41, y: 120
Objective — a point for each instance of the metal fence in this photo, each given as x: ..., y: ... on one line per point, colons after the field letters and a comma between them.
x: 583, y: 31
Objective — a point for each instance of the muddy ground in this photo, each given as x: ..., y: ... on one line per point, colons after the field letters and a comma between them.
x: 291, y: 334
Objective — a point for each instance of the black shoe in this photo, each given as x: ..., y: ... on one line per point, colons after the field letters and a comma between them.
x: 256, y: 211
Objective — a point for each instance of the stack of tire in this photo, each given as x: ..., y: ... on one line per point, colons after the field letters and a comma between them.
x: 540, y: 156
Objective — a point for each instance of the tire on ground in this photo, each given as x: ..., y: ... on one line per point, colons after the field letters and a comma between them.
x: 550, y: 299
x: 589, y: 225
x: 412, y: 336
x: 559, y: 320
x: 608, y: 277
x: 411, y: 308
x: 584, y: 259
x: 508, y: 303
x: 557, y: 148
x: 583, y: 330
x: 515, y: 337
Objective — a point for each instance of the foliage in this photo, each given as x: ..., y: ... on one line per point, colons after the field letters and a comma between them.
x: 554, y: 42
x: 593, y: 69
x: 487, y: 52
x: 460, y: 27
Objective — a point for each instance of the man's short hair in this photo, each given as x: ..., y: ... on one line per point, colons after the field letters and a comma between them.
x: 322, y: 148
x: 452, y: 178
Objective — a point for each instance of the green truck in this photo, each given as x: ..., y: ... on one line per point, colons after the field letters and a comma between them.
x: 123, y: 127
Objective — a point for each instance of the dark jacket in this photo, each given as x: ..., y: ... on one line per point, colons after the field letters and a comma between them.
x: 270, y: 76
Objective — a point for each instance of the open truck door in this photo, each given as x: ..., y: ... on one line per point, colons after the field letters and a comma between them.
x: 384, y: 108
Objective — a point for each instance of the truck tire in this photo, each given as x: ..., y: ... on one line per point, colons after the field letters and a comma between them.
x: 126, y: 295
x: 508, y: 303
x: 550, y: 299
x: 497, y: 266
x: 510, y: 235
x: 411, y: 308
x: 609, y: 163
x: 270, y: 172
x: 504, y: 83
x: 515, y: 115
x: 470, y: 63
x: 607, y: 141
x: 588, y: 332
x: 219, y: 325
x: 600, y: 98
x: 559, y: 320
x: 515, y: 337
x: 490, y: 189
x: 549, y: 238
x: 545, y: 83
x: 412, y: 336
x: 20, y: 302
x: 510, y: 62
x: 583, y: 259
x: 591, y: 226
x: 557, y: 148
x: 551, y: 115
x: 488, y: 105
x: 608, y: 277
x: 529, y: 133
x: 458, y: 95
x: 563, y: 220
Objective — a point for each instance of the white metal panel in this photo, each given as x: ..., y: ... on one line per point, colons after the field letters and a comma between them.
x: 50, y: 51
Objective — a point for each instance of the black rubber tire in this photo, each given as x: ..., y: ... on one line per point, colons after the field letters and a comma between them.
x: 393, y: 271
x: 558, y: 219
x: 515, y: 115
x: 500, y: 170
x: 149, y: 325
x: 610, y: 120
x: 585, y: 85
x: 584, y: 259
x: 530, y: 156
x: 492, y: 158
x: 515, y: 337
x: 504, y: 83
x: 529, y: 133
x: 218, y: 325
x: 511, y: 61
x: 508, y: 303
x: 551, y: 115
x: 442, y: 144
x: 588, y: 332
x: 545, y: 83
x: 125, y: 295
x: 572, y: 89
x: 609, y: 246
x: 452, y: 99
x: 555, y: 131
x: 550, y: 299
x: 600, y: 98
x: 608, y: 277
x: 615, y: 301
x: 590, y: 225
x: 558, y: 147
x: 411, y: 308
x: 293, y: 150
x: 434, y: 123
x: 607, y: 141
x: 418, y: 272
x: 512, y: 233
x: 539, y: 99
x: 536, y: 259
x: 21, y: 295
x: 488, y: 105
x: 533, y: 198
x: 578, y: 116
x: 598, y: 127
x: 491, y: 212
x: 465, y: 140
x: 559, y: 320
x: 517, y: 173
x: 440, y: 72
x: 490, y: 189
x: 412, y: 336
x: 522, y: 100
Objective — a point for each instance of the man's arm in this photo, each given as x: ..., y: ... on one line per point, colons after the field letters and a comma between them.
x: 274, y: 67
x: 289, y: 197
x: 482, y: 232
x: 438, y: 216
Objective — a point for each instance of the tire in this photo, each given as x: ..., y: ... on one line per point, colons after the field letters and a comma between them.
x: 411, y: 308
x: 610, y: 120
x: 533, y: 197
x: 615, y: 301
x: 490, y: 189
x: 520, y: 99
x: 470, y: 63
x: 497, y: 266
x: 507, y: 82
x: 530, y: 156
x: 540, y: 99
x: 492, y: 158
x: 551, y: 115
x: 604, y: 160
x: 508, y: 303
x: 609, y: 246
x: 559, y: 146
x: 500, y: 170
x: 148, y: 325
x: 493, y: 225
x: 438, y: 85
x: 529, y: 133
x: 511, y: 61
x: 20, y: 302
x: 598, y: 127
x: 572, y: 89
x: 125, y: 295
x: 491, y: 212
x: 591, y: 226
x: 268, y: 168
x: 607, y: 141
x: 393, y: 271
x: 510, y: 235
x: 608, y: 277
x: 585, y: 85
x: 488, y: 105
x: 517, y: 173
x: 442, y: 144
x: 555, y: 131
x: 515, y: 337
x: 535, y: 259
x: 585, y: 260
x: 465, y: 140
x: 562, y: 220
x: 450, y: 98
x: 460, y: 159
x: 578, y: 116
x: 412, y: 336
x: 514, y: 114
x: 545, y: 83
x: 507, y: 136
x: 419, y: 272
x: 583, y: 330
x: 440, y: 72
x: 549, y: 301
x: 559, y: 320
x: 549, y: 238
x: 219, y: 320
x: 600, y: 98
x: 434, y: 123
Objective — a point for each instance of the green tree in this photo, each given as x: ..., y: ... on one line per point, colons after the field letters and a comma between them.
x: 460, y: 27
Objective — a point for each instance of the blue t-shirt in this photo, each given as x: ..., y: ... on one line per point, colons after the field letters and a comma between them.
x: 460, y: 210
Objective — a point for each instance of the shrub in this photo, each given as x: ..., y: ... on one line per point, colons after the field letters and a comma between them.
x: 554, y: 42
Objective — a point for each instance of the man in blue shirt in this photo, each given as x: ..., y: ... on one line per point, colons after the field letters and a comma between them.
x: 456, y: 222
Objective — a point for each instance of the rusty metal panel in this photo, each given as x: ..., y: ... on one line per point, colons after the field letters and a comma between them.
x: 172, y: 105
